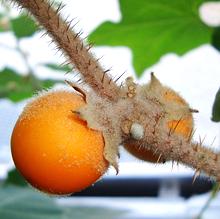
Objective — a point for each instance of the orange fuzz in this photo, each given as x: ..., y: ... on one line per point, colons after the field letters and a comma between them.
x: 53, y: 149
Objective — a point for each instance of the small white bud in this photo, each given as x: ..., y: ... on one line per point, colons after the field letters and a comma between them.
x: 137, y: 131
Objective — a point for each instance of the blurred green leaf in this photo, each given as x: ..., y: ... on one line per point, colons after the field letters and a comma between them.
x: 84, y: 212
x: 216, y: 38
x: 23, y: 26
x: 216, y: 108
x: 153, y: 28
x: 55, y: 67
x: 24, y: 203
x: 15, y: 178
x: 17, y: 87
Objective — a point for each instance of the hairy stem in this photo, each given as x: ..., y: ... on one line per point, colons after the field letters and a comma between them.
x: 72, y: 46
x: 175, y: 148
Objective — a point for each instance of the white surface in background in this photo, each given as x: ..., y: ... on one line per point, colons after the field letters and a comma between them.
x: 150, y: 208
x: 209, y: 13
x: 195, y: 75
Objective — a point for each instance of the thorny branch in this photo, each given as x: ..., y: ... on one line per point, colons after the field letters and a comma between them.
x: 133, y: 115
x: 70, y: 43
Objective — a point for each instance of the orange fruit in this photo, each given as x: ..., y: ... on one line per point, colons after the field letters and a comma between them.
x: 142, y: 153
x: 185, y: 124
x: 53, y: 149
x: 182, y: 127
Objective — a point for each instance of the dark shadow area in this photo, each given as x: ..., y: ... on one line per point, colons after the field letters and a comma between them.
x: 140, y: 187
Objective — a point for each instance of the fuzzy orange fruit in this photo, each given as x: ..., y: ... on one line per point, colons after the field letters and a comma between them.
x: 184, y: 125
x: 53, y: 149
x: 181, y: 127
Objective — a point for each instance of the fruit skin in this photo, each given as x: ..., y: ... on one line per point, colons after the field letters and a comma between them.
x: 178, y: 118
x: 53, y: 149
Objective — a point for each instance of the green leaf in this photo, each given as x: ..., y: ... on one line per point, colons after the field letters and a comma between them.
x: 17, y: 203
x: 94, y: 212
x: 23, y: 26
x: 24, y: 203
x: 55, y: 67
x: 216, y: 38
x: 152, y: 28
x: 216, y: 108
x: 15, y: 178
x: 17, y: 87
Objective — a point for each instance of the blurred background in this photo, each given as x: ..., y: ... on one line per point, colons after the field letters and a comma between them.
x: 178, y: 40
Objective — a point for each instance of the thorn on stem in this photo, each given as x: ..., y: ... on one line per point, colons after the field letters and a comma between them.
x: 89, y: 63
x: 170, y: 130
x: 119, y: 76
x: 191, y: 134
x: 36, y: 4
x: 59, y: 8
x: 78, y: 34
x: 193, y: 110
x: 158, y: 160
x: 98, y: 59
x: 195, y: 147
x: 104, y: 73
x: 76, y: 88
x: 155, y: 152
x: 196, y: 175
x: 173, y: 129
x: 201, y: 141
x: 82, y: 46
x: 178, y: 122
x: 216, y: 157
x: 213, y: 141
x: 75, y: 24
x: 89, y: 46
x: 75, y: 112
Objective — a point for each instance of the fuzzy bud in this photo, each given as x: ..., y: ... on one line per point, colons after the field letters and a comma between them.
x: 137, y: 131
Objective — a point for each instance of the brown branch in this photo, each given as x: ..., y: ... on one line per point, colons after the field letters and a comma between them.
x: 179, y: 149
x: 173, y: 147
x: 70, y: 43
